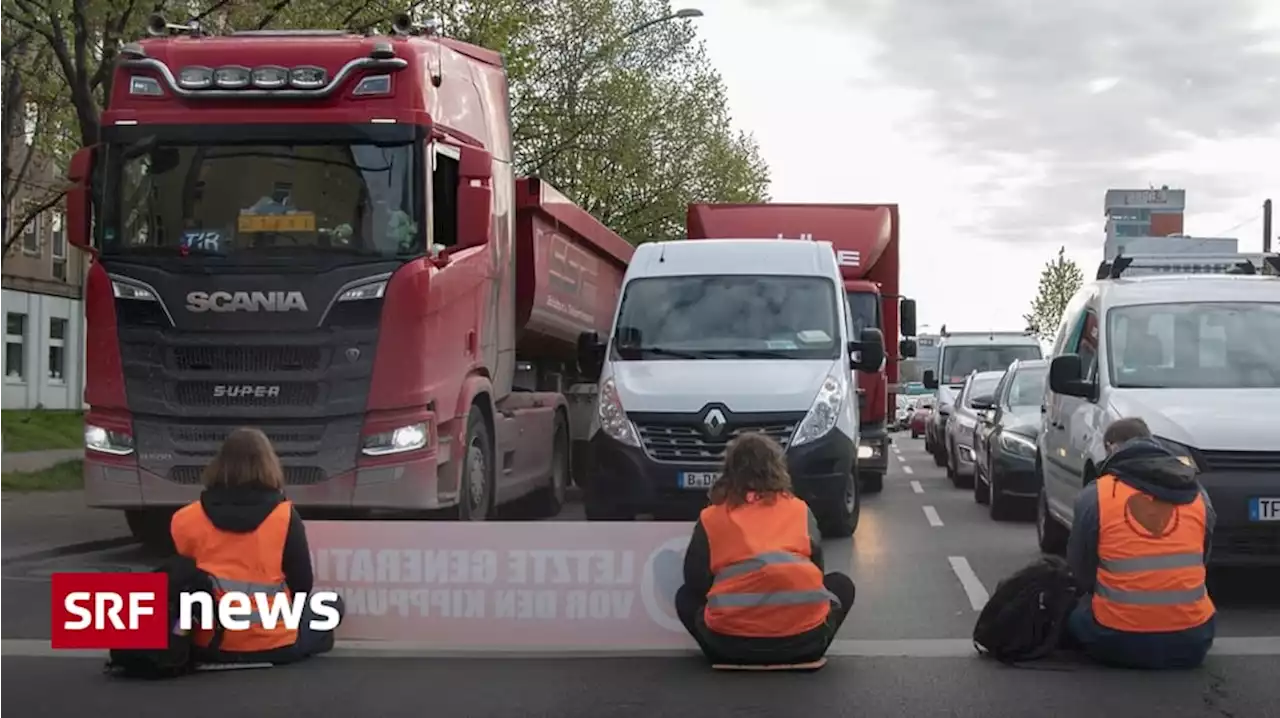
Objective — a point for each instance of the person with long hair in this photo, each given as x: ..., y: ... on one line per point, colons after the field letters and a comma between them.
x: 248, y: 537
x: 754, y: 590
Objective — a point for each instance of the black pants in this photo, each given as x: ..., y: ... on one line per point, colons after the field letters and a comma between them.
x: 309, y: 643
x: 802, y: 648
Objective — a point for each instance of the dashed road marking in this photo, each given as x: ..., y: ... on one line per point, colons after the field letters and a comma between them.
x: 973, y: 587
x: 932, y: 514
x: 916, y: 487
x: 907, y: 469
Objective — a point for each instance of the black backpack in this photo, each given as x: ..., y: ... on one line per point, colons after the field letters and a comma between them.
x: 178, y: 658
x: 1027, y: 615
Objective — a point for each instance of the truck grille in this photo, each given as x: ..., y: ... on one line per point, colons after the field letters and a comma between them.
x: 1247, y: 540
x: 208, y: 394
x: 1241, y: 460
x: 288, y: 442
x: 246, y: 359
x: 688, y: 444
x: 293, y: 475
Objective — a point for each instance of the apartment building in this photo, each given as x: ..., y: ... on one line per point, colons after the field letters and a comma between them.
x: 43, y: 283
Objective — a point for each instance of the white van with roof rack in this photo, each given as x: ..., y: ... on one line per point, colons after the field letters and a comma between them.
x: 1195, y: 352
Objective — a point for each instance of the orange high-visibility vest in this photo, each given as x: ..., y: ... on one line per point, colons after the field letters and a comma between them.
x: 765, y: 583
x: 246, y: 562
x: 1149, y: 582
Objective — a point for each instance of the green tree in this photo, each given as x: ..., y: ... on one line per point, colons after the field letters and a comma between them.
x: 626, y: 116
x: 1059, y: 281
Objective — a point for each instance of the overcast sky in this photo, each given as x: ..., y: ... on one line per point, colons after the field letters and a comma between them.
x: 999, y: 125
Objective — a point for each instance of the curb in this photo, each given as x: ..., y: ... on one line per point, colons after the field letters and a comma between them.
x: 70, y: 550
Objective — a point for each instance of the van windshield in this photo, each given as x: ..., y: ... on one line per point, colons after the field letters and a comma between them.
x: 959, y: 361
x: 728, y: 317
x: 1218, y: 345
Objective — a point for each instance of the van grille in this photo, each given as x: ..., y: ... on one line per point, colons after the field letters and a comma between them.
x: 1241, y: 460
x: 688, y: 444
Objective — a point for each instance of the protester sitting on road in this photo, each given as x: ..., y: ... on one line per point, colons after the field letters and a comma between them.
x: 754, y: 591
x: 1138, y: 547
x: 248, y: 537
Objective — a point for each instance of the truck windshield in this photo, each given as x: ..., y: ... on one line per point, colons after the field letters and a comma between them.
x: 1216, y: 345
x: 959, y: 361
x: 249, y: 201
x: 728, y: 317
x: 864, y: 312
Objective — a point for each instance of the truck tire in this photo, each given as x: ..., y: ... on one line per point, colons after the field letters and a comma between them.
x: 549, y: 500
x: 475, y: 478
x: 872, y: 482
x: 151, y: 528
x: 841, y: 520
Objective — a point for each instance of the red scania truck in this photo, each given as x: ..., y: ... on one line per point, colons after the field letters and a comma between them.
x: 865, y: 240
x: 320, y: 234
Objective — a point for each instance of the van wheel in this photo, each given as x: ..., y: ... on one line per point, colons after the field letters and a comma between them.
x: 475, y: 490
x: 151, y: 528
x: 841, y: 521
x: 1052, y: 535
x: 549, y: 500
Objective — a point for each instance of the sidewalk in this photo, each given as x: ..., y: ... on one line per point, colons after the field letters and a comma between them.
x: 43, y: 521
x: 38, y: 460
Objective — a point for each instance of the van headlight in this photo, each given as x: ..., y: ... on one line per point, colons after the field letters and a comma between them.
x: 824, y: 413
x: 410, y: 437
x: 613, y: 418
x: 107, y: 441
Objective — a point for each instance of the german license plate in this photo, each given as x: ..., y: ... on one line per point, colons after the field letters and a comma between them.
x: 1264, y: 509
x: 698, y: 479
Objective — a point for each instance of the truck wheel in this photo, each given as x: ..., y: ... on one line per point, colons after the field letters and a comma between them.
x: 151, y: 528
x: 841, y: 520
x: 549, y: 500
x: 475, y: 485
x: 872, y: 482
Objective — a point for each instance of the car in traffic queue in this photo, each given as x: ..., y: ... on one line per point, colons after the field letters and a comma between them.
x: 920, y: 417
x: 1004, y: 445
x: 1197, y: 357
x: 963, y: 422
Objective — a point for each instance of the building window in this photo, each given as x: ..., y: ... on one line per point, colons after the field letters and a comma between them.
x: 15, y: 341
x: 57, y: 350
x: 58, y: 242
x: 31, y: 237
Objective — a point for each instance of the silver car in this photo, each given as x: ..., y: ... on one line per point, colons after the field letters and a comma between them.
x: 958, y: 435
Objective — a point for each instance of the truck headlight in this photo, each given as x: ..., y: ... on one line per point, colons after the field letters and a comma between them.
x: 824, y: 413
x: 613, y: 418
x: 107, y: 441
x: 1017, y: 445
x: 405, y: 438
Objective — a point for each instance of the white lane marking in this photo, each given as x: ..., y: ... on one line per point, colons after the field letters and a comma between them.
x: 973, y: 587
x: 857, y: 648
x: 907, y: 469
x: 916, y: 487
x: 932, y: 514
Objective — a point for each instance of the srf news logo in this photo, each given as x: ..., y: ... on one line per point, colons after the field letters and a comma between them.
x: 131, y: 611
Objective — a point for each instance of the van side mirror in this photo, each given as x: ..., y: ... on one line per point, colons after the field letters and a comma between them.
x: 930, y: 379
x: 475, y: 196
x: 870, y: 350
x: 590, y: 355
x: 907, y: 348
x: 907, y: 317
x: 1066, y: 376
x: 77, y: 213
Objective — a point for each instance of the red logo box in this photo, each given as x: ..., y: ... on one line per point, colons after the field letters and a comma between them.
x: 110, y: 610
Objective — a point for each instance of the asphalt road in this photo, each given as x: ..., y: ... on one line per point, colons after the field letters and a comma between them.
x: 924, y: 558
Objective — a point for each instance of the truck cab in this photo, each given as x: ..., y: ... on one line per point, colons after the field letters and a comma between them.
x: 716, y: 338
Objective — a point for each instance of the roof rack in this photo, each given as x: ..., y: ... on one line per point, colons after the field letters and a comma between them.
x: 1190, y: 264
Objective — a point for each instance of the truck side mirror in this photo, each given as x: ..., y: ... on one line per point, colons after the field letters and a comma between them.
x: 930, y: 379
x: 1066, y: 376
x: 590, y: 355
x: 907, y: 318
x: 870, y: 350
x: 475, y: 196
x: 77, y: 214
x: 907, y: 348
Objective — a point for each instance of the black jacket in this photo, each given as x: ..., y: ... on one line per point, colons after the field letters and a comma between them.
x: 242, y: 510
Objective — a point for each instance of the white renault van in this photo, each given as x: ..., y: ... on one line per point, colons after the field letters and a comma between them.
x: 717, y: 337
x: 1198, y: 358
